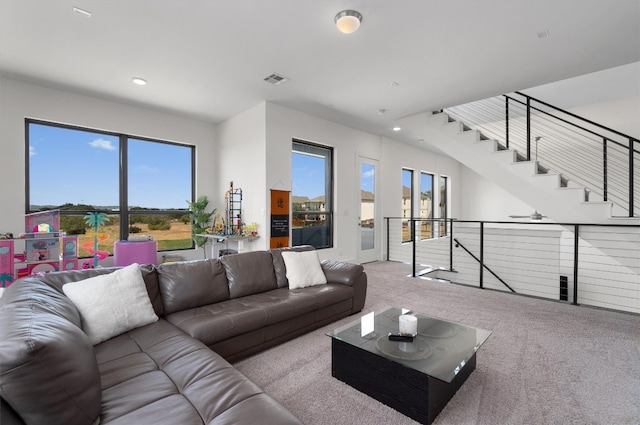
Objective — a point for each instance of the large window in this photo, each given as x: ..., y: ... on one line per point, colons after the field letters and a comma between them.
x: 312, y: 194
x: 444, y: 209
x: 407, y: 204
x: 426, y: 205
x: 142, y: 186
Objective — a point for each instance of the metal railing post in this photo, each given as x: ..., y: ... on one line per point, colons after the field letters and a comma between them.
x: 528, y: 128
x: 388, y: 220
x: 576, y: 242
x: 413, y: 247
x: 506, y: 119
x: 631, y: 188
x: 604, y: 168
x: 481, y: 255
x: 451, y: 245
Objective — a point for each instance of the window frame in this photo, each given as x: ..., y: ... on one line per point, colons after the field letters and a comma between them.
x: 407, y: 221
x: 429, y: 233
x: 123, y: 211
x: 443, y: 210
x: 327, y: 152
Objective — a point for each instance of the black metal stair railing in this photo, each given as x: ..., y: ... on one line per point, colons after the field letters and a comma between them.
x: 605, y: 161
x: 482, y: 264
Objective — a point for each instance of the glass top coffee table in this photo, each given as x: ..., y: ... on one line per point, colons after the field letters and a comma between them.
x: 416, y: 378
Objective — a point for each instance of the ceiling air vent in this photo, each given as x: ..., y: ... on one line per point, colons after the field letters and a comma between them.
x: 276, y: 79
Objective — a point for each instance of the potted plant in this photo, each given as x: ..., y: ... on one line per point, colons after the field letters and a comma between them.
x: 200, y: 221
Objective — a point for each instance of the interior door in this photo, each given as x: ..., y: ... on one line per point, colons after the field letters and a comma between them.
x: 368, y: 220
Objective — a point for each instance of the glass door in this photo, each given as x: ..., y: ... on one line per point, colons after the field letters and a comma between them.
x: 368, y: 223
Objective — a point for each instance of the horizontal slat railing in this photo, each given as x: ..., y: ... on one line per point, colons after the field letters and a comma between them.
x: 584, y: 264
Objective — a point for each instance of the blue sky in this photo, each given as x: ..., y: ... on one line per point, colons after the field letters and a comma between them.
x: 308, y: 176
x: 367, y: 177
x: 82, y: 167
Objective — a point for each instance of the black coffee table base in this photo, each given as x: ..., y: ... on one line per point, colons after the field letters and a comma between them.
x: 412, y: 393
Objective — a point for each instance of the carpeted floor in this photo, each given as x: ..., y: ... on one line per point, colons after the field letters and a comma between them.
x: 545, y: 363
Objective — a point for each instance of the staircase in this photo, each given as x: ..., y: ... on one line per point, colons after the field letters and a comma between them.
x: 560, y: 199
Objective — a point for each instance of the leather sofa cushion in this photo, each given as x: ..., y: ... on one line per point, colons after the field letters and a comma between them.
x: 218, y: 321
x: 249, y: 273
x: 158, y: 375
x: 228, y: 319
x: 190, y: 284
x: 48, y: 371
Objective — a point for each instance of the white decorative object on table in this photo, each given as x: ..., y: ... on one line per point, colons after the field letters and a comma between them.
x: 408, y: 324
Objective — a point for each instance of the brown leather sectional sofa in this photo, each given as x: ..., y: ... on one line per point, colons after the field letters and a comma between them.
x: 173, y: 371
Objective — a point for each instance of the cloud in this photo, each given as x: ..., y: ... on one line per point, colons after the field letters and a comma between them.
x: 102, y: 144
x: 369, y: 173
x: 32, y: 151
x: 146, y: 169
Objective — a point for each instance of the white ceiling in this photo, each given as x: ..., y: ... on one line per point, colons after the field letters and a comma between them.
x: 207, y: 59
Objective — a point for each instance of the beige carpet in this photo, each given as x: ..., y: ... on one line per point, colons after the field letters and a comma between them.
x: 545, y: 363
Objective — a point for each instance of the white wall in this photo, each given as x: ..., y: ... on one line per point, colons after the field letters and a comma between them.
x: 481, y: 199
x: 20, y: 100
x: 284, y: 125
x: 610, y: 97
x: 252, y: 149
x: 240, y: 152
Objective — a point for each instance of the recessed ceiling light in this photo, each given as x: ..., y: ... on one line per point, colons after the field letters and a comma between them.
x: 82, y: 12
x: 139, y: 81
x: 396, y: 128
x: 382, y: 111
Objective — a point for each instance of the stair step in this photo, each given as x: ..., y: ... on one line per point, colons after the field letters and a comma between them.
x: 505, y: 156
x: 438, y: 119
x: 487, y: 145
x: 603, y: 209
x: 542, y: 169
x: 549, y: 180
x: 525, y: 168
x: 468, y: 136
x: 577, y: 193
x: 624, y: 220
x: 453, y: 127
x: 520, y: 157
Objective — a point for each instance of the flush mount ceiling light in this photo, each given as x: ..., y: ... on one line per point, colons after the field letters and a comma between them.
x: 348, y: 21
x: 396, y: 128
x: 139, y: 81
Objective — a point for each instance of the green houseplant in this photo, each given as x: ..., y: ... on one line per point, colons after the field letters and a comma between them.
x: 200, y: 221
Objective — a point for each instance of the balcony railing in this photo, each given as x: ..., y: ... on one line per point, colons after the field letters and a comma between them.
x: 583, y: 264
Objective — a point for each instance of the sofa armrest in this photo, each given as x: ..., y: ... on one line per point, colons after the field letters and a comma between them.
x: 348, y: 274
x: 340, y: 272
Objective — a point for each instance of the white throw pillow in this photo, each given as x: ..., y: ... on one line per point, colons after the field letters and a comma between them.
x: 303, y: 269
x: 111, y: 304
